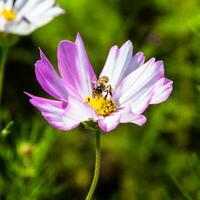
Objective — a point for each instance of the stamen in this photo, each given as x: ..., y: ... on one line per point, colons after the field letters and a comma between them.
x: 101, y: 105
x: 9, y: 15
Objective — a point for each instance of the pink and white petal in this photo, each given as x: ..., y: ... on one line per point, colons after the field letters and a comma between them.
x: 49, y: 80
x: 117, y: 62
x: 52, y: 111
x: 75, y: 67
x: 110, y: 62
x: 129, y: 117
x: 139, y: 82
x: 136, y: 61
x: 125, y: 115
x: 79, y: 112
x: 138, y: 106
x: 162, y: 90
x: 110, y: 122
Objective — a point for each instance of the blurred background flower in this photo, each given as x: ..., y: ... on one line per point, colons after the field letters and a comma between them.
x: 21, y: 17
x: 157, y: 161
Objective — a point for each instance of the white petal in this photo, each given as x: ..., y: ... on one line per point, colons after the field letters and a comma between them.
x: 43, y: 18
x: 9, y: 4
x: 139, y: 105
x: 40, y: 8
x: 136, y: 61
x: 20, y: 28
x: 2, y: 24
x: 54, y: 11
x: 162, y: 90
x: 24, y: 26
x: 117, y: 62
x: 2, y: 5
x: 78, y: 112
x: 139, y: 81
x: 19, y: 4
x: 28, y: 7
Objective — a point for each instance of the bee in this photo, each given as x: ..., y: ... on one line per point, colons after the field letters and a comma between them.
x: 102, y: 88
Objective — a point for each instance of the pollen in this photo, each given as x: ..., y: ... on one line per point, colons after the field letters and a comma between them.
x: 101, y: 105
x: 9, y: 15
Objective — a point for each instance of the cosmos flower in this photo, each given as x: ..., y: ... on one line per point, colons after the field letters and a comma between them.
x: 126, y: 87
x: 21, y: 17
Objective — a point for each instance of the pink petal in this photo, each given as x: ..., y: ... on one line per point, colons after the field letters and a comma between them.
x: 62, y: 115
x: 49, y: 80
x: 75, y: 67
x: 117, y: 62
x: 125, y: 115
x: 162, y: 90
x: 129, y: 117
x: 52, y: 111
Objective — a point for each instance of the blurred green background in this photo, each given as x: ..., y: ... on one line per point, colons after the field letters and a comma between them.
x: 159, y: 161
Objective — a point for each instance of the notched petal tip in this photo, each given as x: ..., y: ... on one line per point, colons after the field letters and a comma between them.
x: 163, y: 90
x: 141, y: 120
x: 160, y: 66
x: 140, y: 57
x: 151, y: 61
x: 107, y: 127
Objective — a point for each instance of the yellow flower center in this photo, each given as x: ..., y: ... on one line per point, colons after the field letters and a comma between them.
x: 101, y: 105
x: 9, y: 15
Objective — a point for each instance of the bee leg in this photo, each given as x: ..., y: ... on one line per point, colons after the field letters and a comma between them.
x: 106, y: 95
x: 109, y: 90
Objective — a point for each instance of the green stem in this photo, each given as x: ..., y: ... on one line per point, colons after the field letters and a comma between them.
x: 4, y: 54
x: 97, y: 168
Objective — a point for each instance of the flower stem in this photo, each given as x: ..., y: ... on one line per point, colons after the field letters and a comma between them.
x: 3, y: 58
x: 97, y: 168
